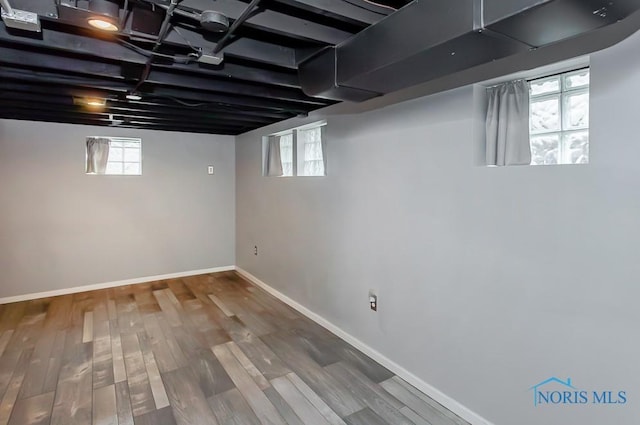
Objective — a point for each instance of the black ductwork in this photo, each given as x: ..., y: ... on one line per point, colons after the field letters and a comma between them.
x: 429, y: 40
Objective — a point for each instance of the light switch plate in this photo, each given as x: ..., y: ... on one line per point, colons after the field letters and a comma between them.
x: 210, y: 169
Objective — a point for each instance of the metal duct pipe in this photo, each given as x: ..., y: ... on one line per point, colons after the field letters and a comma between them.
x: 6, y: 6
x: 164, y: 29
x: 430, y: 40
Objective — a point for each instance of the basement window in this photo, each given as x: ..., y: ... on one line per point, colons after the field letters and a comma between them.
x: 301, y: 152
x: 310, y: 151
x: 559, y: 118
x: 114, y: 156
x: 286, y: 154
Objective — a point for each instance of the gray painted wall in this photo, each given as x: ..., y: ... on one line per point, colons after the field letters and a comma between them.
x: 61, y: 228
x: 490, y: 280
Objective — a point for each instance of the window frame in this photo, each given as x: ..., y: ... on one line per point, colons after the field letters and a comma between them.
x: 564, y: 131
x: 298, y: 149
x: 119, y: 139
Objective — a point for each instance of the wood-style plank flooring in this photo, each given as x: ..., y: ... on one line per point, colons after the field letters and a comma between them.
x: 209, y: 349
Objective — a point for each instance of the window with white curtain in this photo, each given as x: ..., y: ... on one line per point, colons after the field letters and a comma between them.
x: 559, y: 118
x: 301, y: 152
x: 124, y: 156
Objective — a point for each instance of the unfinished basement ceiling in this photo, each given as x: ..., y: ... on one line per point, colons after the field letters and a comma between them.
x: 52, y: 74
x: 230, y: 66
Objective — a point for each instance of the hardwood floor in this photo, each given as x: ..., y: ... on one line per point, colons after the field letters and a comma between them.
x: 209, y: 349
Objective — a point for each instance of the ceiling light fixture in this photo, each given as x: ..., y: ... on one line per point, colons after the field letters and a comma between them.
x: 102, y: 24
x: 133, y: 96
x: 214, y: 21
x: 105, y: 15
x: 90, y: 101
x: 96, y: 101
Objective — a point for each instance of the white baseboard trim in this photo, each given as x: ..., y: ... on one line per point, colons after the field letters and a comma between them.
x: 66, y: 291
x: 448, y: 402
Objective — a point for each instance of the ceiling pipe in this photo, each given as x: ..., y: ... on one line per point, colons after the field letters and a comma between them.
x: 176, y: 11
x: 210, y: 20
x: 166, y: 24
x: 7, y: 7
x: 164, y: 29
x: 243, y: 17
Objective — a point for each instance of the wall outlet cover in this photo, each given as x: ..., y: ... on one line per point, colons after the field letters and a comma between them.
x: 373, y: 301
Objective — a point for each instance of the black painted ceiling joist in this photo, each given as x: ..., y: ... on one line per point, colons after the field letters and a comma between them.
x: 160, y: 77
x: 271, y: 21
x: 54, y: 43
x: 177, y: 97
x: 122, y: 113
x: 256, y: 84
x: 341, y: 10
x: 161, y: 89
x: 106, y: 123
x: 158, y: 108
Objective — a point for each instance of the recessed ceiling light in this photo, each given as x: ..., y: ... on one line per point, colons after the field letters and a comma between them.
x: 103, y: 24
x: 96, y: 101
x: 105, y: 15
x: 133, y: 96
x: 90, y: 101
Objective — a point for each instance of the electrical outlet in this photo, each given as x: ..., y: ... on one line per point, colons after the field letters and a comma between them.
x: 255, y: 250
x: 373, y: 300
x: 210, y: 169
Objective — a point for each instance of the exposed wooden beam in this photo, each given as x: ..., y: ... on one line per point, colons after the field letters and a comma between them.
x: 338, y: 10
x: 181, y: 110
x: 105, y: 73
x: 205, y: 120
x: 57, y: 42
x: 139, y: 108
x: 10, y: 81
x: 271, y: 21
x: 244, y: 48
x: 50, y: 116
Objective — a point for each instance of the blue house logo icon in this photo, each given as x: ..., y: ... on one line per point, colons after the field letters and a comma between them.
x: 555, y: 397
x: 555, y: 391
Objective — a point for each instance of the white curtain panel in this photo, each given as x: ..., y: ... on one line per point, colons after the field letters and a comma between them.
x: 507, y: 124
x: 97, y: 155
x: 274, y: 163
